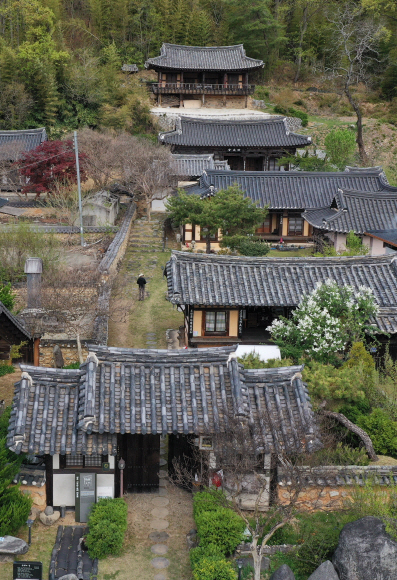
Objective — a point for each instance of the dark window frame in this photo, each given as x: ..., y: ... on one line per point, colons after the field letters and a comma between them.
x: 206, y: 332
x: 294, y: 231
x: 62, y: 462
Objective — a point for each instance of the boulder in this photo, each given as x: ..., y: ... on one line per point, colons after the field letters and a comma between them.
x: 58, y: 357
x: 50, y: 519
x: 191, y: 539
x: 11, y: 547
x: 68, y: 577
x: 49, y: 510
x: 324, y: 572
x: 366, y: 551
x: 283, y: 573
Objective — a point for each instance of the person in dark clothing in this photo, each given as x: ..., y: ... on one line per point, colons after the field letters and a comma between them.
x: 141, y: 283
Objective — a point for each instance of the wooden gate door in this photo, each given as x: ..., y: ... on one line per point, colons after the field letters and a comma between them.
x: 181, y: 453
x: 142, y: 459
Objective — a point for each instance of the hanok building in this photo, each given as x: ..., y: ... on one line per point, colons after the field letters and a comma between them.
x: 192, y: 76
x: 288, y: 194
x: 360, y: 212
x: 12, y: 145
x: 253, y: 145
x: 232, y: 299
x: 121, y: 401
x: 13, y: 333
x: 192, y: 166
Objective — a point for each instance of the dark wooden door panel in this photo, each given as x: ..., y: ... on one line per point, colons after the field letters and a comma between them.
x: 142, y: 459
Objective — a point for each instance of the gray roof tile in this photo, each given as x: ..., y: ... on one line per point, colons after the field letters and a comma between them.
x: 158, y: 392
x: 358, y: 211
x: 294, y: 189
x: 388, y: 236
x: 193, y: 165
x: 13, y: 143
x: 205, y: 133
x: 338, y: 475
x: 210, y: 280
x: 14, y: 320
x: 203, y: 58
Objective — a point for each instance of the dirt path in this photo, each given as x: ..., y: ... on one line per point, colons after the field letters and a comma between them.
x: 143, y: 324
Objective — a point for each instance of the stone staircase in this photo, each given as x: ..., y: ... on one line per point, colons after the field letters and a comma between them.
x: 147, y: 236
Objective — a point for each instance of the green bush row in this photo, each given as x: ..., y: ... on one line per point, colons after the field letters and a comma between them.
x: 220, y: 530
x: 107, y: 525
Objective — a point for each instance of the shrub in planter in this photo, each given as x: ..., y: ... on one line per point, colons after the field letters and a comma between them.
x: 107, y: 525
x: 222, y: 528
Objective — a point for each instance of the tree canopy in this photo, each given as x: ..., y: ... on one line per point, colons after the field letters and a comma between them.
x: 228, y: 210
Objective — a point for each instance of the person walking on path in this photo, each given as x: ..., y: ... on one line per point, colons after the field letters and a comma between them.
x: 141, y: 283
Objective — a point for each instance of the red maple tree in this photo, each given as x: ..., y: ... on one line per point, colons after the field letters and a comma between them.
x: 50, y: 162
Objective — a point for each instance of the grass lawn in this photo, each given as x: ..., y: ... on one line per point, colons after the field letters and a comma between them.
x: 43, y: 540
x: 296, y: 253
x: 154, y: 315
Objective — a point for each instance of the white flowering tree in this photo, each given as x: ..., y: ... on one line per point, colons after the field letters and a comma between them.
x: 326, y: 322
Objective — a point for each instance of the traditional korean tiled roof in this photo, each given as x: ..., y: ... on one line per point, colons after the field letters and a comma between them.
x: 131, y: 68
x: 156, y: 392
x: 211, y: 280
x: 203, y: 58
x: 13, y: 143
x: 194, y: 165
x: 31, y: 475
x: 45, y: 412
x: 387, y: 236
x: 356, y: 211
x: 294, y: 189
x: 3, y: 201
x: 233, y: 135
x: 13, y: 321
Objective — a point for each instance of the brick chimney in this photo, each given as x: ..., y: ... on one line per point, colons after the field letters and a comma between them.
x: 34, y: 269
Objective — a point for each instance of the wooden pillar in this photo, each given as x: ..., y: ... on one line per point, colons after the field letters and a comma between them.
x: 244, y: 160
x: 246, y: 90
x: 36, y: 352
x: 203, y: 99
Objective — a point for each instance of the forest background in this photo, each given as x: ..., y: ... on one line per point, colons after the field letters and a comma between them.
x: 60, y: 60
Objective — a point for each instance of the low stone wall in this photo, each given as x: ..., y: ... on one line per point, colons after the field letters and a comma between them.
x: 117, y: 248
x: 108, y: 267
x: 69, y: 352
x: 328, y: 487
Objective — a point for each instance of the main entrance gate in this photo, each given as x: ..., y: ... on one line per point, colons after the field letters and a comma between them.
x: 141, y: 454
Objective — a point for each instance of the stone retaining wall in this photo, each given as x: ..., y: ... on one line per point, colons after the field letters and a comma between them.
x: 69, y: 352
x: 108, y: 267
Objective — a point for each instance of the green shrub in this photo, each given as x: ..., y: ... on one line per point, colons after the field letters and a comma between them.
x: 253, y: 247
x: 197, y: 554
x: 208, y: 501
x: 340, y: 455
x: 75, y: 365
x: 7, y: 296
x: 223, y: 528
x: 291, y: 112
x: 6, y: 369
x: 252, y: 360
x: 319, y: 534
x: 209, y: 568
x: 107, y: 525
x: 382, y: 430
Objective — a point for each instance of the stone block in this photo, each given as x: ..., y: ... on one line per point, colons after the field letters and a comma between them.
x: 50, y: 519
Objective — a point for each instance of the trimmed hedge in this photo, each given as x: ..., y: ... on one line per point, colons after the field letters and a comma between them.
x: 209, y: 568
x: 107, y: 525
x: 222, y: 528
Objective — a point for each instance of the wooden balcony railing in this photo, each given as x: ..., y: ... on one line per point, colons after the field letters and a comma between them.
x: 201, y: 88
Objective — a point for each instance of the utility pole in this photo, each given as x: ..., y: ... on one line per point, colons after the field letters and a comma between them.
x: 76, y: 150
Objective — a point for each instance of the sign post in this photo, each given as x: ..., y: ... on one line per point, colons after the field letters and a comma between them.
x: 28, y: 571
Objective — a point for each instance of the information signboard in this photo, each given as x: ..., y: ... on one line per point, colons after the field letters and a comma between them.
x: 85, y: 495
x: 28, y: 571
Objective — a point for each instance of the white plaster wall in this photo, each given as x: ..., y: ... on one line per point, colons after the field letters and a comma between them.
x: 105, y: 484
x: 112, y: 461
x: 55, y: 461
x: 375, y: 246
x: 340, y: 242
x: 63, y: 489
x: 158, y: 205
